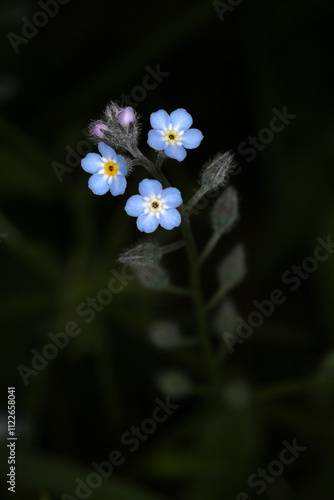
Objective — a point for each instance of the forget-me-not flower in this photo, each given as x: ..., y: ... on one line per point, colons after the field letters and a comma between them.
x: 172, y: 133
x: 108, y: 171
x: 155, y: 205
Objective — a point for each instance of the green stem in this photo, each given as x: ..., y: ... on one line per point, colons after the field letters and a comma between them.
x: 158, y: 164
x: 194, y: 269
x: 292, y: 388
x: 217, y: 297
x: 210, y: 246
x: 172, y: 247
x: 201, y: 322
x: 195, y: 199
x: 177, y: 290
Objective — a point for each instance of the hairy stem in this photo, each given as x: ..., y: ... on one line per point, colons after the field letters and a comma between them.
x: 210, y: 246
x: 194, y: 270
x: 195, y: 281
x: 172, y: 247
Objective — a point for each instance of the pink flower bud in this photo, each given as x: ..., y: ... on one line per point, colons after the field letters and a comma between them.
x: 125, y: 116
x: 98, y: 128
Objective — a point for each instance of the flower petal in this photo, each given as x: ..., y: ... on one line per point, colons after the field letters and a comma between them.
x: 118, y: 185
x: 92, y: 163
x: 149, y: 188
x: 106, y: 151
x: 172, y: 197
x: 160, y: 119
x: 135, y: 205
x: 147, y: 222
x: 121, y: 164
x: 192, y: 138
x: 181, y: 119
x: 98, y: 183
x: 176, y: 152
x: 155, y: 140
x: 170, y: 218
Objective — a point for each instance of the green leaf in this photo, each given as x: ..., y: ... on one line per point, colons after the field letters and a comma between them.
x: 38, y: 471
x: 35, y: 255
x: 26, y: 168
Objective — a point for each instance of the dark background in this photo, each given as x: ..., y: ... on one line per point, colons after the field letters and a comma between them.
x: 62, y: 243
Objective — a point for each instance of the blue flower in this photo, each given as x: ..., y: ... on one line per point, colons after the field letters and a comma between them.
x: 108, y: 171
x: 171, y: 133
x: 155, y: 206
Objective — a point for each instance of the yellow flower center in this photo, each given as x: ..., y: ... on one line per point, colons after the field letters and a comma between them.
x: 171, y: 136
x: 111, y: 168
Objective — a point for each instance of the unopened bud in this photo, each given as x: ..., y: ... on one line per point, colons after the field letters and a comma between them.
x: 142, y: 255
x: 118, y: 127
x: 174, y: 383
x: 225, y: 320
x: 125, y: 116
x: 164, y: 334
x: 225, y: 211
x: 233, y: 268
x: 154, y: 277
x: 237, y: 395
x: 98, y: 129
x: 216, y: 172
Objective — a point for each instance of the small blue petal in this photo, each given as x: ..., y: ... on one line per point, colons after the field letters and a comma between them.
x: 160, y: 120
x: 118, y: 185
x: 192, y: 138
x: 92, y: 163
x: 98, y: 183
x: 181, y: 119
x: 135, y: 205
x: 147, y: 223
x: 106, y: 151
x: 176, y: 152
x: 155, y: 140
x: 170, y: 218
x: 149, y: 188
x: 172, y: 197
x: 121, y: 164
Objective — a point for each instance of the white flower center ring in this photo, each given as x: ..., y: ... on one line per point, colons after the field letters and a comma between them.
x: 155, y: 205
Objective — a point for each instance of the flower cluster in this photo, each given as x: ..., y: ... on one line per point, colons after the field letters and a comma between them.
x: 118, y: 127
x: 157, y: 203
x: 154, y: 205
